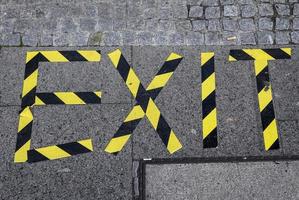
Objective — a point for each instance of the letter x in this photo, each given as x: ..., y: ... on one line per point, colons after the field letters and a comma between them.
x: 145, y: 105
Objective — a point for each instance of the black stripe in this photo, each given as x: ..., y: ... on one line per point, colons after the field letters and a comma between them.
x: 262, y: 79
x: 277, y: 53
x: 267, y: 115
x: 211, y: 140
x: 126, y: 128
x: 35, y: 156
x: 142, y: 97
x: 208, y: 104
x: 163, y: 130
x: 89, y: 97
x: 49, y: 98
x: 154, y: 92
x: 73, y: 148
x: 169, y: 66
x: 73, y: 56
x: 123, y: 67
x: 207, y: 69
x: 32, y: 65
x: 99, y: 51
x: 29, y: 98
x: 24, y: 136
x: 239, y: 54
x: 275, y: 145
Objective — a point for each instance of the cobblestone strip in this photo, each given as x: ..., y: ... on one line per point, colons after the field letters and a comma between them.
x: 148, y: 22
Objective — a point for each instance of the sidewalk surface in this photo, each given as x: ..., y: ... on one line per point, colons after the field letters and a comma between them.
x: 147, y: 32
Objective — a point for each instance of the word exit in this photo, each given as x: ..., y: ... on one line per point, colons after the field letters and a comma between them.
x: 145, y: 106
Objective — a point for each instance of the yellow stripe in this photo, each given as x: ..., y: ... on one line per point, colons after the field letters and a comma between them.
x: 53, y: 152
x: 259, y: 65
x: 116, y: 144
x: 153, y: 113
x: 54, y: 56
x: 230, y: 58
x: 30, y: 55
x: 136, y: 113
x: 99, y: 94
x: 133, y: 82
x: 287, y: 50
x: 173, y: 56
x: 159, y: 81
x: 270, y: 134
x: 208, y: 86
x: 25, y: 118
x: 38, y: 102
x: 258, y: 54
x: 173, y: 143
x: 92, y: 56
x: 86, y: 143
x: 114, y: 57
x: 264, y: 97
x: 69, y: 98
x: 21, y: 155
x: 30, y: 82
x: 209, y: 123
x: 205, y: 57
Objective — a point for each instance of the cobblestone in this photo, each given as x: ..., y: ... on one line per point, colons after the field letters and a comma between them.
x: 154, y: 22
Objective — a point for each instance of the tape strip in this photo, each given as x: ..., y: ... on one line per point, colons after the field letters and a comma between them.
x: 31, y: 98
x: 264, y: 89
x: 145, y: 103
x: 208, y: 97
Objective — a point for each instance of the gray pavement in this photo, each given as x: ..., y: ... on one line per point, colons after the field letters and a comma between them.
x: 98, y: 175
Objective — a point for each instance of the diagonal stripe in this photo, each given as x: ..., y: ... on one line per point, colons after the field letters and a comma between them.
x: 205, y: 57
x: 89, y: 97
x: 21, y: 153
x: 26, y: 117
x: 69, y: 98
x: 208, y: 104
x: 169, y: 66
x: 287, y: 50
x: 30, y: 55
x: 115, y: 57
x: 117, y: 143
x: 74, y: 148
x: 267, y: 115
x: 53, y: 152
x: 136, y: 113
x: 91, y: 56
x: 54, y: 56
x: 173, y: 143
x: 210, y: 141
x: 277, y: 53
x: 35, y: 156
x: 208, y: 86
x: 264, y: 97
x: 207, y: 69
x: 262, y: 79
x: 173, y: 56
x: 87, y: 144
x: 239, y: 54
x: 49, y: 98
x: 258, y: 54
x: 38, y: 102
x: 29, y: 83
x: 153, y: 113
x: 270, y: 134
x: 259, y: 66
x: 159, y: 81
x: 23, y: 136
x: 72, y: 56
x: 133, y: 82
x: 209, y: 123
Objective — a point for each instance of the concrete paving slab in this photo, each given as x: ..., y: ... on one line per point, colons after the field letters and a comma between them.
x: 95, y: 175
x: 254, y: 180
x: 239, y: 125
x: 75, y: 76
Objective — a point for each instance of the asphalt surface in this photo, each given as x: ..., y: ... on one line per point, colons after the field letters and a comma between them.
x: 99, y: 175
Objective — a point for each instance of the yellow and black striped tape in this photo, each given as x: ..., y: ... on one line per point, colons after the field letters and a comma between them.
x: 208, y: 97
x: 145, y: 103
x: 60, y: 151
x: 264, y: 89
x: 31, y: 98
x: 125, y: 130
x: 68, y: 98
